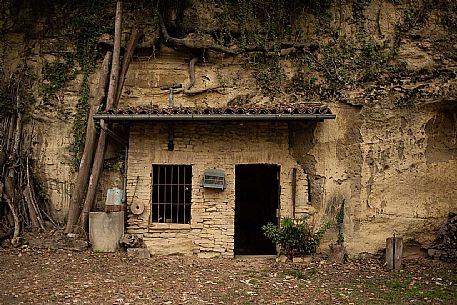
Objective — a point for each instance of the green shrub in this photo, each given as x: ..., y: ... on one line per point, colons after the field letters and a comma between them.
x: 295, y: 236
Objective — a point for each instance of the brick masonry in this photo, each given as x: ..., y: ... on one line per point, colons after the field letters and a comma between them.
x: 207, y: 145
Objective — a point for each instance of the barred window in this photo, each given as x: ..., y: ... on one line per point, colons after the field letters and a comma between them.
x: 171, y: 193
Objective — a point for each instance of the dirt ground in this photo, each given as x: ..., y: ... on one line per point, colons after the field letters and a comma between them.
x: 31, y: 276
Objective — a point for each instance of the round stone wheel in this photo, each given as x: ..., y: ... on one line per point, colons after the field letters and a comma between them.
x: 137, y: 208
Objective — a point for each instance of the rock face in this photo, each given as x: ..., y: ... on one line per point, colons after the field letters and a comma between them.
x: 445, y: 245
x: 390, y: 154
x: 393, y: 168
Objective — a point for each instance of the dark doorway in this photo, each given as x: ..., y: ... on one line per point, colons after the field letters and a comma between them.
x: 256, y: 201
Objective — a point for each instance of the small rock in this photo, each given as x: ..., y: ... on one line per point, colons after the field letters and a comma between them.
x: 131, y: 241
x: 138, y: 252
x: 337, y: 253
x: 282, y: 259
x: 297, y: 260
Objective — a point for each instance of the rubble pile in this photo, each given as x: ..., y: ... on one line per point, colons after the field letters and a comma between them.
x: 445, y: 245
x: 131, y: 241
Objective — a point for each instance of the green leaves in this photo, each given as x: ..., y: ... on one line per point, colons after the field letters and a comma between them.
x: 56, y: 74
x: 270, y: 77
x: 295, y: 236
x: 92, y: 21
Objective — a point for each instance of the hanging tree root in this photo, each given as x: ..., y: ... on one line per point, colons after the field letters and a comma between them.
x: 285, y: 47
x: 201, y: 46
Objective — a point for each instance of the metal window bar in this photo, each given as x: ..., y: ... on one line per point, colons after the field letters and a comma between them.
x: 164, y: 196
x: 184, y: 195
x: 171, y: 194
x: 169, y: 186
x: 179, y: 201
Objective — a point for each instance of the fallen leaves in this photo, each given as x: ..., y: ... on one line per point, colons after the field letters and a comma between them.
x: 62, y: 277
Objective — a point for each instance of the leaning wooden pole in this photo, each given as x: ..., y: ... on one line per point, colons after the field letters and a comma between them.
x: 115, y: 67
x: 14, y: 137
x: 101, y: 146
x: 89, y: 147
x: 127, y: 58
x: 131, y: 45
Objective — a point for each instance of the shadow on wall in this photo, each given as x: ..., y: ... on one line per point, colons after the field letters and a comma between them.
x: 441, y: 133
x: 301, y: 141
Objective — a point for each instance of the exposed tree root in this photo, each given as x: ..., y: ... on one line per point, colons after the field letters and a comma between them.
x: 284, y: 49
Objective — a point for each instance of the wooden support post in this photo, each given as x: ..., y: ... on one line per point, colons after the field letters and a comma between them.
x: 99, y: 157
x: 394, y: 252
x: 89, y: 147
x: 117, y: 78
x: 115, y: 66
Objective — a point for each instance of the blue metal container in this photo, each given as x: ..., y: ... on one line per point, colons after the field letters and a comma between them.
x: 114, y: 196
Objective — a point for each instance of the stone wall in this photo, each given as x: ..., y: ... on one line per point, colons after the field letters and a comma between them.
x: 206, y: 145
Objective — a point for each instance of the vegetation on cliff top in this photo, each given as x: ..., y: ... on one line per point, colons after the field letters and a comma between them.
x: 266, y: 32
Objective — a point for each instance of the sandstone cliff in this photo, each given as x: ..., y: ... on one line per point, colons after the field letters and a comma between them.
x: 387, y: 69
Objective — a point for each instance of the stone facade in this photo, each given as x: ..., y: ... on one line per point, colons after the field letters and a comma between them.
x: 207, y: 145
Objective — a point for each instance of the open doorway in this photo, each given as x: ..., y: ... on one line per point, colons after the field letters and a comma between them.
x: 256, y: 202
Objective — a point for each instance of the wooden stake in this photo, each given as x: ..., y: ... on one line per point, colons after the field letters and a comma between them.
x: 33, y: 215
x: 29, y: 196
x: 9, y: 197
x: 394, y: 252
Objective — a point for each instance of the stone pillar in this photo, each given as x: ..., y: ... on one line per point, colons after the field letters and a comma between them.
x: 106, y: 230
